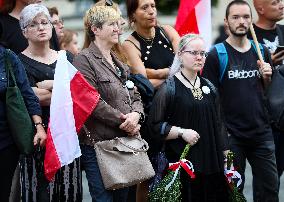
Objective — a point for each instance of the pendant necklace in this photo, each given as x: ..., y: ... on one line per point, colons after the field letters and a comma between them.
x: 196, y: 92
x: 147, y: 41
x: 118, y: 71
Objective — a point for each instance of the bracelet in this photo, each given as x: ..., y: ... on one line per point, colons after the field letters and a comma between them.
x: 39, y: 123
x: 141, y: 118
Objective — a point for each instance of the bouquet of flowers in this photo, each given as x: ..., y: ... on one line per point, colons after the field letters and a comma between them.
x: 234, y: 180
x: 169, y: 188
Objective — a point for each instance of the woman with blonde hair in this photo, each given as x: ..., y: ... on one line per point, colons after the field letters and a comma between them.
x: 119, y: 111
x: 117, y: 49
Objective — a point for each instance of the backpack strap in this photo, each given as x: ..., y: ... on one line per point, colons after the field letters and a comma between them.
x: 223, y: 56
x: 223, y: 59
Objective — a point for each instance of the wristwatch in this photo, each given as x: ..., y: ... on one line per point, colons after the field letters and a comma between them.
x: 180, y: 132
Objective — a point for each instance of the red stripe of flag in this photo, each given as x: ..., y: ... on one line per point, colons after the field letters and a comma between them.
x: 186, y: 21
x: 83, y: 106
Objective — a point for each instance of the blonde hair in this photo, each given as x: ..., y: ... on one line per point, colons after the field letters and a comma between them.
x: 97, y: 16
x: 184, y: 41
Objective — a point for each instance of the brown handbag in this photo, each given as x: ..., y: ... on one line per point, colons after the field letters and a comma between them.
x: 123, y: 162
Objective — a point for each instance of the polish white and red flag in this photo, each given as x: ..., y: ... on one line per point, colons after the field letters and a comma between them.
x: 73, y: 100
x: 194, y: 16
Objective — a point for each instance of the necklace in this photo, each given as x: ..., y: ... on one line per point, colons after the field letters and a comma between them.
x: 118, y: 71
x: 196, y: 92
x: 149, y: 42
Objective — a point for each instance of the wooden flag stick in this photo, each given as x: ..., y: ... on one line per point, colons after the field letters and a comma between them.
x: 256, y: 43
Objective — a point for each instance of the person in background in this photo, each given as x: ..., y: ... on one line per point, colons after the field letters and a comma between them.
x: 56, y: 22
x: 150, y: 48
x: 272, y: 35
x: 223, y: 34
x: 9, y: 154
x: 268, y: 32
x: 150, y: 51
x: 192, y: 116
x: 40, y: 62
x: 13, y: 39
x: 69, y: 41
x: 12, y: 35
x: 241, y: 86
x: 119, y: 111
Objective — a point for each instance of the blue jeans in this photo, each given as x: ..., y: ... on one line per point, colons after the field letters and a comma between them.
x: 95, y: 182
x: 261, y: 156
x: 279, y: 149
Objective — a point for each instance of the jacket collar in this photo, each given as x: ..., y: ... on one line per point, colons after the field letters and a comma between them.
x: 93, y: 48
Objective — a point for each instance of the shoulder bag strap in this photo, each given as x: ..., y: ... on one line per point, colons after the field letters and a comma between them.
x: 8, y: 68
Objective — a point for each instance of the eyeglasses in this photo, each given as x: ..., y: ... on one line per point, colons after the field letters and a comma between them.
x: 35, y: 25
x: 196, y: 53
x: 109, y: 3
x: 57, y: 22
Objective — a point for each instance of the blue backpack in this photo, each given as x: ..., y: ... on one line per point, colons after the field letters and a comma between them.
x: 223, y: 56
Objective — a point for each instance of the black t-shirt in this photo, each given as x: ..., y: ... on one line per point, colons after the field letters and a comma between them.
x: 241, y: 92
x: 12, y: 35
x: 13, y: 38
x: 158, y: 53
x: 269, y: 38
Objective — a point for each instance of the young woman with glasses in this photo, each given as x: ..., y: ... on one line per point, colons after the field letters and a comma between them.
x: 191, y: 115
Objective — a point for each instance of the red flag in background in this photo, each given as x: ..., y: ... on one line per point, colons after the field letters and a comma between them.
x: 194, y: 16
x: 1, y: 3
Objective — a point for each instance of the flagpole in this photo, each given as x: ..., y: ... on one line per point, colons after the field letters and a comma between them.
x: 256, y: 43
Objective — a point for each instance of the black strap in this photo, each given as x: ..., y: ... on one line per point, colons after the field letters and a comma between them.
x: 213, y: 88
x: 171, y: 90
x: 165, y: 35
x: 134, y: 44
x: 280, y: 35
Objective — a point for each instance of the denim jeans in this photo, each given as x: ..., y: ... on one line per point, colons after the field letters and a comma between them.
x: 95, y: 182
x: 279, y: 149
x: 261, y: 156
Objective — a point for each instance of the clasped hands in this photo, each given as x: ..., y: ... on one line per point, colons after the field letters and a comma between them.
x: 130, y: 123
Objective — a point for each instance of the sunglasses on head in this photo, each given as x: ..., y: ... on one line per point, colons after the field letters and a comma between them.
x: 109, y: 3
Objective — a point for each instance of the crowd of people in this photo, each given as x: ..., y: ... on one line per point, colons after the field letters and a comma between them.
x: 197, y: 99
